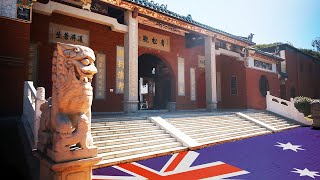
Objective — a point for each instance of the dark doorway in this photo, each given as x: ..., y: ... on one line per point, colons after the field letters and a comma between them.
x: 283, y: 91
x: 264, y: 85
x: 154, y: 82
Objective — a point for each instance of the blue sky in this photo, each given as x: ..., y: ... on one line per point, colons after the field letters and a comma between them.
x: 294, y: 21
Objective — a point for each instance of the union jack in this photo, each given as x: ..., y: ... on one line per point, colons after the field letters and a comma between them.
x: 177, y: 167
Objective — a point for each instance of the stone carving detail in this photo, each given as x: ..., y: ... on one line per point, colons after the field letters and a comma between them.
x: 86, y: 4
x: 65, y: 122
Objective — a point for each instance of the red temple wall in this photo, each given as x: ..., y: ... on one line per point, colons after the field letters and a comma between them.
x: 254, y: 98
x: 229, y: 67
x: 305, y: 82
x: 102, y: 40
x: 14, y: 55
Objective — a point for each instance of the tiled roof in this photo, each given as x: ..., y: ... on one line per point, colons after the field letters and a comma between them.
x: 163, y: 9
x: 266, y: 53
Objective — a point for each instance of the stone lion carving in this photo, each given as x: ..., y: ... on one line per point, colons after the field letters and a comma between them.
x: 66, y: 117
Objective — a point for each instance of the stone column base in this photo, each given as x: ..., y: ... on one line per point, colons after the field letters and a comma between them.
x: 130, y: 106
x: 72, y: 170
x: 171, y: 106
x: 316, y: 123
x: 212, y: 106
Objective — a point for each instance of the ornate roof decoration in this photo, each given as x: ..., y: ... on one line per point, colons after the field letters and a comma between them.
x: 163, y: 9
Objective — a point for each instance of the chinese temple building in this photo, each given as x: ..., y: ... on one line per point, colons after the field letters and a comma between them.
x: 147, y: 56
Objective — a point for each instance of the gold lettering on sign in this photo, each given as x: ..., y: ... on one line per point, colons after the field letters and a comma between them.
x: 192, y: 84
x: 154, y: 41
x: 120, y: 70
x: 100, y: 90
x: 181, y: 87
x: 67, y: 34
x: 201, y: 62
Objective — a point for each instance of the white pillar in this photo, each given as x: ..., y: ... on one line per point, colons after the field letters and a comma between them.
x: 131, y: 64
x: 211, y: 76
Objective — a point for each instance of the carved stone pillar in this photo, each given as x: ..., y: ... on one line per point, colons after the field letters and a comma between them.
x: 131, y: 64
x: 211, y: 76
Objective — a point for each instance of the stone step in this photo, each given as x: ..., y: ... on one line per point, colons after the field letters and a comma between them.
x: 140, y: 150
x: 274, y: 120
x: 212, y: 123
x: 230, y: 135
x: 127, y: 135
x: 200, y: 129
x: 125, y: 130
x: 133, y: 145
x: 120, y: 122
x: 221, y: 132
x: 137, y: 157
x: 122, y: 126
x: 285, y: 126
x: 130, y: 139
x: 201, y: 119
x: 218, y: 124
x: 277, y: 123
x: 222, y: 139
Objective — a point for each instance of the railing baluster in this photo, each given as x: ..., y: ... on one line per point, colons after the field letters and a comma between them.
x: 32, y: 101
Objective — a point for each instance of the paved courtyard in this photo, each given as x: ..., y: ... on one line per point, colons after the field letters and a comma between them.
x: 288, y: 155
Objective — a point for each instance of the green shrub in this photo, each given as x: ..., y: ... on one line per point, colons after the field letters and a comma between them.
x: 303, y: 104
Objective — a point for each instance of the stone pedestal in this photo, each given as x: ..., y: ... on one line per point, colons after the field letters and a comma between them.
x: 315, y: 112
x: 212, y: 106
x: 171, y: 106
x: 71, y: 170
x: 91, y: 152
x: 130, y: 106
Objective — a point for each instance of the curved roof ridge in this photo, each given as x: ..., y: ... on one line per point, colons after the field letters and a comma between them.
x: 163, y: 9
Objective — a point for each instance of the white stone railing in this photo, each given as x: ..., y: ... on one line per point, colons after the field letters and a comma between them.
x: 285, y: 108
x: 32, y: 100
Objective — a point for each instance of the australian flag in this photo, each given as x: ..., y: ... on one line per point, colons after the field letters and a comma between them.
x: 288, y: 155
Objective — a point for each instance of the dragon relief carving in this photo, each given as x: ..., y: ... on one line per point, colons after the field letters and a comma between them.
x: 66, y: 117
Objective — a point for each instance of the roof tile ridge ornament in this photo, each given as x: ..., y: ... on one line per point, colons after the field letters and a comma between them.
x: 250, y: 36
x: 154, y: 5
x: 189, y: 17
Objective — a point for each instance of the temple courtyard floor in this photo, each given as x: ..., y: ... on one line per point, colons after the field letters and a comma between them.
x: 287, y: 155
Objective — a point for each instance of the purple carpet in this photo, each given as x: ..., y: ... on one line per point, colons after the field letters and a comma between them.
x: 288, y: 155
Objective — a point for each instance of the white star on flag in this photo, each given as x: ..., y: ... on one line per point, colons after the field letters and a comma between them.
x: 290, y: 146
x: 306, y: 172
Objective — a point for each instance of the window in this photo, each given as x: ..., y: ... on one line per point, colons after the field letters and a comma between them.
x: 263, y: 85
x: 233, y: 85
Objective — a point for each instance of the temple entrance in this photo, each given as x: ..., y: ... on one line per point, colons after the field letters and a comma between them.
x: 154, y: 83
